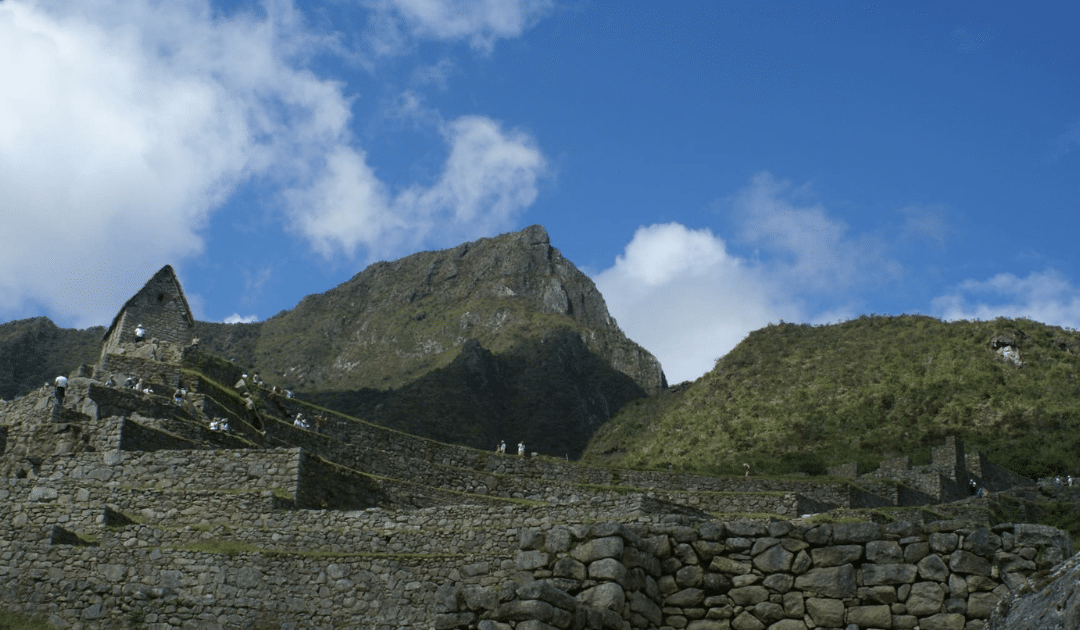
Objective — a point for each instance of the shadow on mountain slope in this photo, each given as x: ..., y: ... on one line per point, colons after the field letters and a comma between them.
x: 551, y: 392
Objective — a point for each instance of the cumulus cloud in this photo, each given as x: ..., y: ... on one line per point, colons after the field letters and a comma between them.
x: 490, y: 175
x: 124, y: 125
x: 396, y: 22
x: 1046, y: 296
x: 682, y: 294
x: 237, y: 318
x: 679, y: 293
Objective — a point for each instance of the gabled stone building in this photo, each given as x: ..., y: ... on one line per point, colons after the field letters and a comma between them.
x: 160, y: 306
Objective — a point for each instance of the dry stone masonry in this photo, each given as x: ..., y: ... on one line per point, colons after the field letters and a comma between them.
x: 125, y: 509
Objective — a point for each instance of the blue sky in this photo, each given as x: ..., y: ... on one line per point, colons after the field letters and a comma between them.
x: 712, y: 166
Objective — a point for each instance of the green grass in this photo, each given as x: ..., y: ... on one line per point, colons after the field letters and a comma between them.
x: 793, y: 398
x: 15, y: 621
x: 234, y: 548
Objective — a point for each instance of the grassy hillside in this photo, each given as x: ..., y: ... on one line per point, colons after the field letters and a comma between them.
x: 802, y: 398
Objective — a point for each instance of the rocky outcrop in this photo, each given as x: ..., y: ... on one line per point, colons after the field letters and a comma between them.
x: 1054, y: 605
x: 498, y: 339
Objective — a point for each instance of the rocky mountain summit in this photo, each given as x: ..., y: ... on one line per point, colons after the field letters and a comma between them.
x: 498, y: 339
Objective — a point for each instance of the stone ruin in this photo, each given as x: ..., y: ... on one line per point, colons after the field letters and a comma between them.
x: 122, y: 509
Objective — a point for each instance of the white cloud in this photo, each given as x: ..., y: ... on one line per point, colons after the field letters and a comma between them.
x: 123, y: 125
x: 681, y: 295
x: 237, y: 318
x: 807, y: 248
x: 684, y: 296
x: 1047, y: 297
x: 479, y: 23
x: 490, y: 175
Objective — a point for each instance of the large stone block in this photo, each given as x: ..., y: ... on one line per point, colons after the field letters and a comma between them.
x: 926, y: 598
x: 689, y: 576
x: 833, y: 582
x: 524, y: 609
x: 720, y: 564
x: 481, y: 597
x: 826, y: 613
x: 746, y: 621
x: 944, y: 621
x: 569, y: 568
x: 597, y: 548
x: 933, y: 568
x: 861, y: 533
x: 748, y: 595
x: 529, y: 560
x: 788, y: 624
x: 916, y: 551
x: 836, y: 555
x: 774, y: 560
x: 870, y: 616
x: 768, y: 612
x: 686, y: 597
x: 609, y: 595
x: 966, y: 562
x: 608, y: 569
x: 943, y: 542
x: 545, y: 591
x: 641, y: 604
x: 874, y: 574
x: 981, y: 605
x: 884, y: 552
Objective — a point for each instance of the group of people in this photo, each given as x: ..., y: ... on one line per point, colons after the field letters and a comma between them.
x: 501, y: 448
x: 1067, y: 482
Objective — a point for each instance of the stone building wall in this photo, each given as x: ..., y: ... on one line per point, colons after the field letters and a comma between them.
x: 162, y: 309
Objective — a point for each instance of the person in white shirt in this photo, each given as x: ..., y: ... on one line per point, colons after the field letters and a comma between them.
x: 61, y: 387
x: 521, y: 449
x: 140, y: 333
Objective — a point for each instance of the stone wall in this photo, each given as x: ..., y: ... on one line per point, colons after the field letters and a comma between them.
x: 160, y: 305
x: 752, y: 575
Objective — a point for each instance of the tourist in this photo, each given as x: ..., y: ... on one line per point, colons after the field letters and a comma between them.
x: 973, y: 488
x: 139, y: 386
x: 746, y: 470
x: 111, y: 382
x: 140, y: 333
x: 521, y: 449
x: 129, y: 383
x: 61, y: 387
x: 300, y: 422
x: 241, y: 385
x: 501, y: 448
x: 195, y: 341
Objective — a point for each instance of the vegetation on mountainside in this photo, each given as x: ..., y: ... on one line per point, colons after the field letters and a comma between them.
x: 34, y: 351
x: 803, y: 398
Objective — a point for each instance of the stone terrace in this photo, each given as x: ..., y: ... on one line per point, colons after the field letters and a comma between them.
x: 122, y: 509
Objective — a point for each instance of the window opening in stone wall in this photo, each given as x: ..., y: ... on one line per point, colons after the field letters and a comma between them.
x: 160, y: 297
